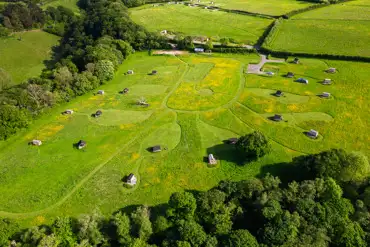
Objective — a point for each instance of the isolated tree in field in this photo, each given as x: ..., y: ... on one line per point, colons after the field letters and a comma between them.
x: 253, y: 146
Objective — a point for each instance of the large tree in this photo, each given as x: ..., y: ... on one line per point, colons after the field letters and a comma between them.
x: 253, y: 146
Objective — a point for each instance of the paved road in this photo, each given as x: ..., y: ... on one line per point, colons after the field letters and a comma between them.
x: 256, y: 68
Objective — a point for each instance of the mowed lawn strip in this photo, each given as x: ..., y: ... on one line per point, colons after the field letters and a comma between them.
x: 200, y: 22
x: 333, y: 37
x: 24, y: 58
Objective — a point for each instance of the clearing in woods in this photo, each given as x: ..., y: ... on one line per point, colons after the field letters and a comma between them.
x: 190, y: 114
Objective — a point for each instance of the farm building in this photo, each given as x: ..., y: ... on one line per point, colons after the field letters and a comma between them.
x: 98, y: 113
x: 279, y: 93
x: 296, y: 60
x: 68, y: 112
x: 313, y: 133
x: 131, y: 179
x: 325, y: 95
x: 211, y: 160
x: 331, y: 70
x: 156, y: 149
x: 326, y: 81
x: 302, y: 80
x: 199, y: 49
x: 130, y: 72
x: 277, y: 118
x: 154, y: 72
x: 125, y: 90
x: 81, y: 144
x: 233, y: 140
x: 101, y: 92
x: 290, y: 75
x: 270, y: 73
x: 164, y: 32
x: 36, y: 142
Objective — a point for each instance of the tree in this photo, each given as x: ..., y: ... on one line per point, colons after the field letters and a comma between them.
x: 182, y: 205
x: 192, y: 232
x: 224, y: 41
x: 141, y: 224
x: 11, y: 120
x: 104, y: 70
x: 62, y: 228
x: 121, y: 224
x: 241, y: 238
x: 209, y: 45
x: 5, y: 79
x: 89, y: 228
x: 253, y: 146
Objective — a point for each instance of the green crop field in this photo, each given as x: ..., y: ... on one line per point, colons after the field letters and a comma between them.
x: 195, y: 103
x: 266, y: 7
x: 352, y: 10
x: 334, y: 37
x: 70, y: 4
x: 24, y: 58
x: 200, y: 22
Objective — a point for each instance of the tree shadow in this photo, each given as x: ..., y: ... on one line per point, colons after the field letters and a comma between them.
x: 286, y: 171
x: 227, y: 152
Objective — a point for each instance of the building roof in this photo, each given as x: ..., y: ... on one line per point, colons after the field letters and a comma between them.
x: 126, y: 90
x: 99, y: 112
x: 325, y: 94
x: 100, y: 91
x: 279, y: 93
x: 199, y: 49
x: 156, y: 148
x: 81, y: 143
x: 278, y: 117
x: 313, y: 132
x: 130, y: 176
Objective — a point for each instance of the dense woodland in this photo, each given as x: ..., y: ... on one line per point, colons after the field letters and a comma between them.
x: 322, y: 200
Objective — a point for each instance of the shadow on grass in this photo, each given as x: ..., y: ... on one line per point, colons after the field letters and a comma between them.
x: 226, y: 152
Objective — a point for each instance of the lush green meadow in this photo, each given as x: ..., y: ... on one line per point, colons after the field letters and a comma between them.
x: 196, y: 102
x: 200, y: 22
x: 266, y: 7
x: 24, y: 58
x: 352, y: 10
x: 70, y: 4
x: 334, y: 37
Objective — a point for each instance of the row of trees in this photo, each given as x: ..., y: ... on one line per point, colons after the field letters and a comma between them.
x: 311, y: 211
x: 92, y: 47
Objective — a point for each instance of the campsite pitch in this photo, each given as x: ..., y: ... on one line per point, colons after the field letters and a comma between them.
x: 194, y: 104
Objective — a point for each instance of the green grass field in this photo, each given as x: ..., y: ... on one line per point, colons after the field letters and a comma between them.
x: 40, y: 183
x: 267, y: 7
x: 69, y: 4
x: 24, y: 58
x: 334, y: 37
x: 200, y: 22
x: 352, y: 10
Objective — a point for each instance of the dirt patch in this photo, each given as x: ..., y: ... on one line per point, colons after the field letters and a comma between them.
x: 170, y: 52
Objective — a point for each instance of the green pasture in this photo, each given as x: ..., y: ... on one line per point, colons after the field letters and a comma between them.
x: 334, y: 37
x: 351, y: 10
x: 40, y: 183
x: 266, y: 7
x: 23, y: 58
x: 69, y: 4
x: 195, y: 21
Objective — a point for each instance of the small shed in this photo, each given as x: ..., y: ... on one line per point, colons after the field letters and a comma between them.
x: 131, y: 179
x: 296, y: 60
x: 156, y: 149
x: 130, y: 72
x: 198, y: 50
x: 164, y: 32
x: 302, y: 80
x: 211, y: 160
x: 101, y: 92
x: 313, y: 133
x: 326, y: 81
x: 233, y: 140
x: 270, y: 73
x: 68, y: 112
x: 290, y: 75
x: 98, y: 113
x: 279, y: 93
x: 126, y: 90
x: 36, y: 142
x: 331, y: 70
x: 325, y: 95
x: 277, y: 118
x: 81, y: 144
x: 154, y: 72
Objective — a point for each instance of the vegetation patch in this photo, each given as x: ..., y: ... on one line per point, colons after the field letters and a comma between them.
x: 192, y: 21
